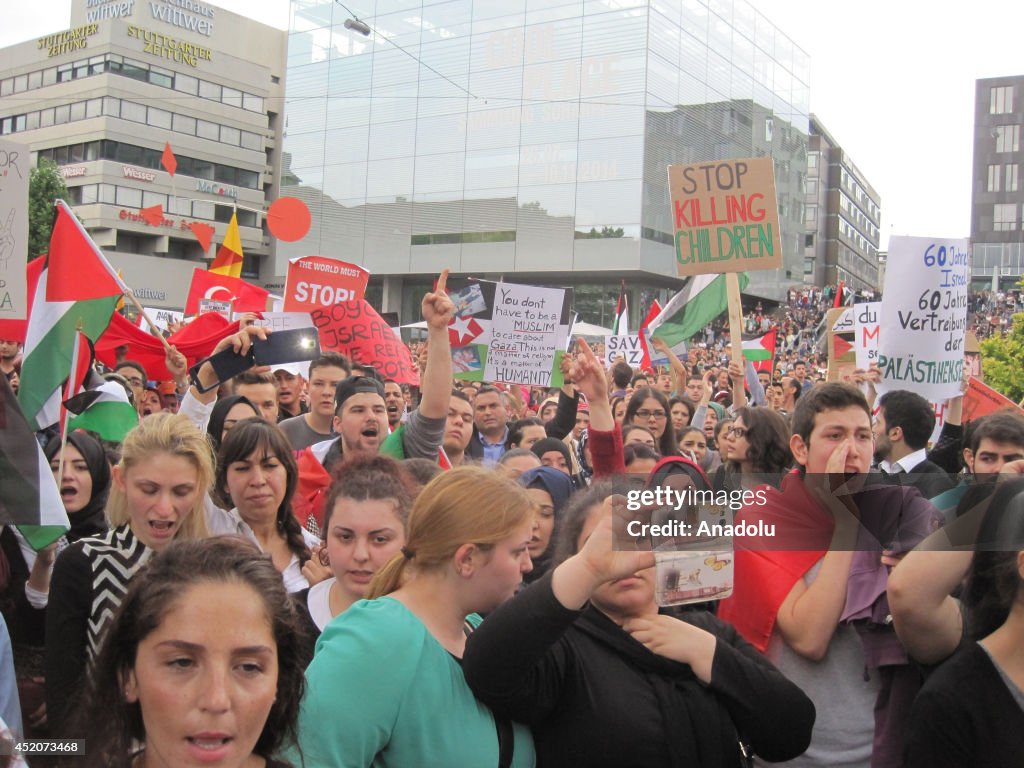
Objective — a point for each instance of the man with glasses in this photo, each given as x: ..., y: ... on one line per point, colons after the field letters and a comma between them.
x: 133, y: 372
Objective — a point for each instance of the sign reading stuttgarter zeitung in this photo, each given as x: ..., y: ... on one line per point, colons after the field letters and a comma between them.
x: 726, y: 216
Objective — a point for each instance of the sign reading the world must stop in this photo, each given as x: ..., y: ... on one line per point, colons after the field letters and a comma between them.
x: 315, y: 282
x: 726, y: 217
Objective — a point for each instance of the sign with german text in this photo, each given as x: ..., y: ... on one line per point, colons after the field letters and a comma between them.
x: 318, y: 281
x: 981, y: 400
x: 866, y: 330
x: 15, y: 165
x: 924, y: 316
x: 726, y: 217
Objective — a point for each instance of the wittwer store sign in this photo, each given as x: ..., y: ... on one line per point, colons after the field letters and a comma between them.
x: 189, y: 15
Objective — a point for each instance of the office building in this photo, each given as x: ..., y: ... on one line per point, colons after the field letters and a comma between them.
x: 102, y: 99
x: 529, y: 139
x: 842, y: 216
x: 997, y: 190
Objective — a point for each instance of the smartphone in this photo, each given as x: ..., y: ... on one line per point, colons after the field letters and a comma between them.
x: 291, y: 346
x: 226, y: 364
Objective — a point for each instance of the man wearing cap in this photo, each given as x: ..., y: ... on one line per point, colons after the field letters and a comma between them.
x: 290, y: 383
x: 360, y: 421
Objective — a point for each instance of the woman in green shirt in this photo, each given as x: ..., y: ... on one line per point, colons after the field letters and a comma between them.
x: 386, y: 687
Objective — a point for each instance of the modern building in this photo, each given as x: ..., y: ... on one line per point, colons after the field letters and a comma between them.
x: 842, y: 215
x: 529, y: 139
x: 997, y: 192
x: 105, y: 96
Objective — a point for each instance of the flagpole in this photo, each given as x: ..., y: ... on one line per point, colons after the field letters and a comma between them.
x: 732, y: 288
x: 131, y: 297
x: 64, y: 416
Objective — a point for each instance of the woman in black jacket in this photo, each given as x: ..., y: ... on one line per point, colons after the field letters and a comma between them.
x: 604, y: 679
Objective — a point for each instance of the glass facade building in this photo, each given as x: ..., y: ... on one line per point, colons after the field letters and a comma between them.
x: 530, y: 138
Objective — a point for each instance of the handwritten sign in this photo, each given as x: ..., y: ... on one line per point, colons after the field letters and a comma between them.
x: 355, y: 329
x: 285, y: 321
x: 726, y: 216
x: 162, y: 318
x: 318, y: 281
x: 14, y: 172
x: 842, y: 360
x: 526, y: 331
x: 924, y: 316
x: 628, y: 346
x: 866, y: 332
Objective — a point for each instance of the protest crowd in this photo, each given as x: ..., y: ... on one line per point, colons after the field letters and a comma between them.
x: 319, y: 565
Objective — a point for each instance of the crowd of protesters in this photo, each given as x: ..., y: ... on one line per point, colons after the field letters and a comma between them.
x: 321, y: 567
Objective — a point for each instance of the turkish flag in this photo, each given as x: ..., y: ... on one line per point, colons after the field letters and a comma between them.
x: 209, y: 285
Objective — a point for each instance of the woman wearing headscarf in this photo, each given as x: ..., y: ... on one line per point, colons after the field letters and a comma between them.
x: 549, y: 490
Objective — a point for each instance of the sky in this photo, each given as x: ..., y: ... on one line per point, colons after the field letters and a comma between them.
x: 891, y: 80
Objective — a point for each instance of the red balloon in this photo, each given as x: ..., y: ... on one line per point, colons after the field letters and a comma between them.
x: 288, y: 219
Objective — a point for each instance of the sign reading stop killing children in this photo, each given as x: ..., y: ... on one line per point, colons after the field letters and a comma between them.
x: 315, y: 282
x: 726, y: 216
x: 924, y: 316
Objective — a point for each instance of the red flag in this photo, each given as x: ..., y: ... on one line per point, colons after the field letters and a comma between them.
x: 355, y: 329
x: 81, y: 362
x: 194, y: 343
x: 78, y: 271
x: 204, y: 234
x: 209, y: 285
x: 153, y: 215
x: 654, y: 311
x: 168, y: 160
x: 839, y: 294
x: 14, y: 330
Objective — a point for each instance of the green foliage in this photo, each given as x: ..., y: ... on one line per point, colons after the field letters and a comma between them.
x: 1002, y: 358
x: 605, y: 232
x: 45, y: 184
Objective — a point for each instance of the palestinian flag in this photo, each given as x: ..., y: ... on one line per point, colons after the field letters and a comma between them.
x: 686, y: 314
x: 621, y: 325
x: 81, y: 364
x: 761, y: 351
x: 395, y: 448
x: 104, y: 410
x: 76, y: 289
x: 228, y: 260
x: 30, y: 497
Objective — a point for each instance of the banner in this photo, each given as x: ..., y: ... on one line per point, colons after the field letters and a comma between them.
x: 15, y: 165
x: 726, y: 216
x: 866, y: 332
x: 209, y: 285
x: 509, y: 333
x: 981, y: 400
x: 924, y: 316
x: 355, y: 329
x: 318, y: 281
x: 628, y: 346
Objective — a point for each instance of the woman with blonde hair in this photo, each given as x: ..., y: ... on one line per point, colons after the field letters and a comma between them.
x: 466, y: 551
x: 156, y: 497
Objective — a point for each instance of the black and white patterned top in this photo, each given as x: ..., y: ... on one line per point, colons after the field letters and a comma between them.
x: 90, y: 579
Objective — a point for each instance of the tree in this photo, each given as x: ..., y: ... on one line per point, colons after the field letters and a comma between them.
x: 45, y: 184
x: 1001, y: 358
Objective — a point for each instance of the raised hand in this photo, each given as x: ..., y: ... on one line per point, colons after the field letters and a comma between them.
x: 437, y: 308
x: 587, y: 373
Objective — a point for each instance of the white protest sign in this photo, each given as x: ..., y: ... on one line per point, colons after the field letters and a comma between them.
x: 15, y: 165
x: 628, y: 346
x: 924, y: 316
x: 867, y: 327
x: 284, y: 321
x: 162, y: 318
x: 526, y: 330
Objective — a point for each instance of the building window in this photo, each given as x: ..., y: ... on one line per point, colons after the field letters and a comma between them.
x: 1011, y: 177
x: 1004, y: 217
x: 993, y: 177
x: 812, y: 160
x: 811, y: 186
x: 1001, y: 101
x: 810, y: 214
x: 809, y: 241
x: 1007, y: 138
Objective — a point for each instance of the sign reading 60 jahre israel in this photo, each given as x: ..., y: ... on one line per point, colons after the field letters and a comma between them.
x: 726, y: 216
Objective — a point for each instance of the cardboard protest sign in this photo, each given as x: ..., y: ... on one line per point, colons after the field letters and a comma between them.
x: 15, y: 165
x: 285, y: 321
x: 318, y: 281
x: 628, y: 346
x: 508, y: 333
x: 726, y: 216
x: 161, y: 318
x: 972, y: 355
x: 842, y: 359
x: 866, y: 332
x: 355, y: 329
x: 981, y: 400
x: 924, y: 316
